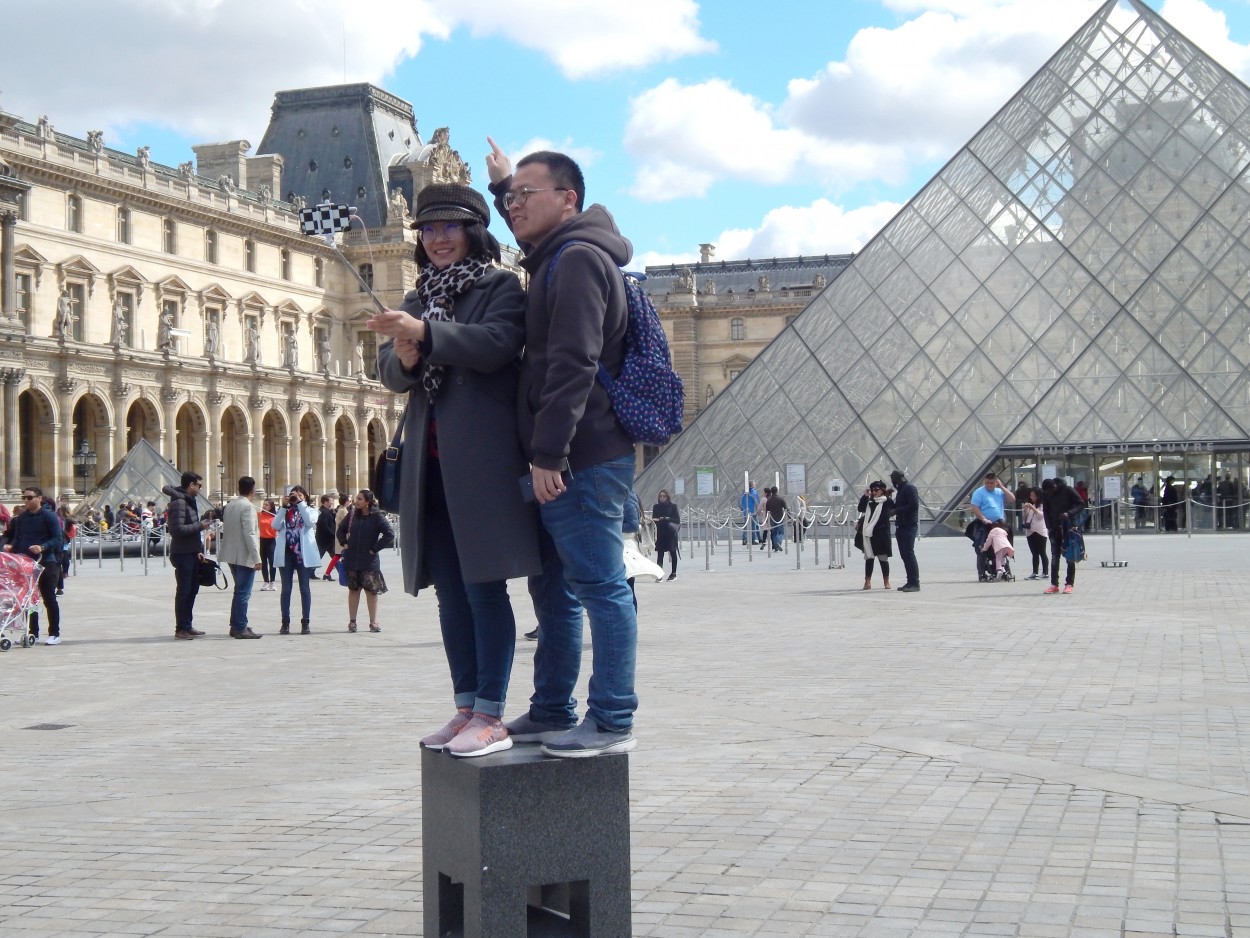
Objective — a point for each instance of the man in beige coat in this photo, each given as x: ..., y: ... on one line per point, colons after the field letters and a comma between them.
x: 240, y: 547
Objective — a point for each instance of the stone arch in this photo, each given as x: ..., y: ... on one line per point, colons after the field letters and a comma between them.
x: 191, y: 439
x: 346, y: 473
x: 379, y: 439
x: 235, y: 453
x: 92, y: 417
x: 312, y: 451
x: 143, y: 422
x: 275, y: 448
x: 36, y: 414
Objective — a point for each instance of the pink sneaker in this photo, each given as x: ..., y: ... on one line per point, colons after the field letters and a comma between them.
x: 483, y: 735
x: 1067, y: 588
x: 440, y: 738
x: 1051, y: 589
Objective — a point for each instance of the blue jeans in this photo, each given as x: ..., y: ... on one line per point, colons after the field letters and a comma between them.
x: 479, y: 629
x: 244, y: 576
x: 750, y: 524
x: 288, y: 571
x: 778, y: 534
x: 906, y: 537
x: 583, y: 567
x: 186, y: 588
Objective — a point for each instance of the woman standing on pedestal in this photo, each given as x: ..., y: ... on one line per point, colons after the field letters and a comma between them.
x: 465, y: 528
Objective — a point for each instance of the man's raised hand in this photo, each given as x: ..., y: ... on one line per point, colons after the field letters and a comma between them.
x: 498, y: 166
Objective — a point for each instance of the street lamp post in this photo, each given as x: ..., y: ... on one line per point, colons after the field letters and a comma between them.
x: 268, y: 492
x: 347, y: 475
x: 84, y: 463
x: 221, y: 481
x: 308, y: 477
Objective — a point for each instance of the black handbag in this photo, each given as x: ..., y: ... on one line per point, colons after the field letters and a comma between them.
x: 387, y: 471
x: 211, y: 573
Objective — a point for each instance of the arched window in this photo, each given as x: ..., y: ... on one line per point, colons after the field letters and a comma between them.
x: 249, y: 255
x: 123, y: 225
x: 737, y: 330
x: 170, y: 230
x: 73, y: 214
x: 210, y: 246
x: 284, y: 264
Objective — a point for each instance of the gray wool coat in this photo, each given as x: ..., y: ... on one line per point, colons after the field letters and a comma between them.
x: 478, y: 444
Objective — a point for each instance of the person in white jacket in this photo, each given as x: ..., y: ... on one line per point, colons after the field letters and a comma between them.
x: 296, y: 555
x: 240, y: 548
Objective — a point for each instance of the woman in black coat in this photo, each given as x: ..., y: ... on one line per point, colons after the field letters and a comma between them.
x: 667, y: 520
x: 365, y: 533
x: 872, y: 532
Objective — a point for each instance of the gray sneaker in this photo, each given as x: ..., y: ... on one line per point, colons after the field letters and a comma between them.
x: 587, y: 739
x: 525, y: 729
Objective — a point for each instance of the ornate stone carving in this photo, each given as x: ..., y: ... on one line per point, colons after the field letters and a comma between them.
x: 445, y: 164
x: 298, y: 204
x: 265, y: 195
x: 186, y: 171
x: 120, y: 391
x: 95, y: 140
x: 66, y: 385
x: 144, y: 156
x: 257, y: 403
x: 295, y: 406
x: 12, y: 375
x: 226, y: 182
x: 215, y: 398
x: 685, y: 281
x: 43, y: 129
x: 170, y: 395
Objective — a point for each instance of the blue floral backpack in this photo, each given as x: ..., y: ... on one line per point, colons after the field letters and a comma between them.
x: 647, y: 395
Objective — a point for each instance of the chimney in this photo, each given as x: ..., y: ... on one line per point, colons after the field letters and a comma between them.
x: 265, y: 170
x: 706, y: 253
x: 214, y: 160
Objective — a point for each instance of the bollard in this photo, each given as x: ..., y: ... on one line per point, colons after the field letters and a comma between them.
x: 517, y: 843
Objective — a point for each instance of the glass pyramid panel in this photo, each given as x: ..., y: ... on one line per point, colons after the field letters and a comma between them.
x: 1078, y: 273
x: 138, y: 478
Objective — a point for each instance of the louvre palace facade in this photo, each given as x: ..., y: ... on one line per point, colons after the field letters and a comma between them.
x: 1070, y: 295
x: 183, y: 306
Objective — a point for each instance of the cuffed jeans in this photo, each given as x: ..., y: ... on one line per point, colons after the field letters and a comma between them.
x: 187, y: 587
x: 906, y: 538
x: 288, y: 571
x: 476, y: 619
x: 583, y: 567
x: 244, y: 577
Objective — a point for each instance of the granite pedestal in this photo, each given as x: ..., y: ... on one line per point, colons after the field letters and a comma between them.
x: 519, y: 844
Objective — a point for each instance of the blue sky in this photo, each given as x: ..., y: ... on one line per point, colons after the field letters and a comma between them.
x: 796, y: 127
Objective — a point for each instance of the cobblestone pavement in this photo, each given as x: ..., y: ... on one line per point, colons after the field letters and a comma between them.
x: 814, y: 759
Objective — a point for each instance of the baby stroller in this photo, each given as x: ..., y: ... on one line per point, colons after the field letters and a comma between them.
x: 19, y: 595
x: 1000, y: 572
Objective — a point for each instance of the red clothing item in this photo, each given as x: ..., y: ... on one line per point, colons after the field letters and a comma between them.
x: 266, y: 526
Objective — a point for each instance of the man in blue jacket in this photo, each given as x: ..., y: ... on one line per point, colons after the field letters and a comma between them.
x: 36, y: 532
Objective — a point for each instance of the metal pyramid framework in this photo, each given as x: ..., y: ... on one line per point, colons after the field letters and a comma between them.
x: 1077, y: 274
x: 138, y: 478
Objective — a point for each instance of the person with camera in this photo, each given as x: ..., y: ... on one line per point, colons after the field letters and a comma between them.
x: 186, y: 550
x: 296, y: 555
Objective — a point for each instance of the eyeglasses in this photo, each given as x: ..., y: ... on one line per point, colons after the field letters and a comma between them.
x: 515, y: 198
x: 434, y: 232
x: 29, y: 497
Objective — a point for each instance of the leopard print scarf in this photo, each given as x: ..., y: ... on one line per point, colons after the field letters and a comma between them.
x: 437, y: 292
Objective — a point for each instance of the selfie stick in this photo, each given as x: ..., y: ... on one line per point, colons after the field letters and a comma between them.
x: 325, y: 220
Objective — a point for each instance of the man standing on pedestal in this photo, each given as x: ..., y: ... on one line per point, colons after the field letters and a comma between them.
x: 582, y: 461
x: 240, y: 547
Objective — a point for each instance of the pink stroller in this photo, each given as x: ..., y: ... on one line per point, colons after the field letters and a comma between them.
x: 19, y: 595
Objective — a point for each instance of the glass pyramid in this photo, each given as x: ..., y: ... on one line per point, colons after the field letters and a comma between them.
x: 1077, y: 274
x: 138, y: 478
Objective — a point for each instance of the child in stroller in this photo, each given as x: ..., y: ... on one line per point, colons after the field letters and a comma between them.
x: 998, y: 545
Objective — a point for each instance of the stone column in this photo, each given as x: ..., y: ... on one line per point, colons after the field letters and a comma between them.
x: 213, y: 451
x: 169, y: 427
x: 63, y: 478
x: 120, y: 392
x: 256, y: 451
x: 283, y: 459
x: 12, y: 427
x: 8, y: 285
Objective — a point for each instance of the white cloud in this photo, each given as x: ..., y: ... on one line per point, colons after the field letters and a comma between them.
x: 1209, y: 29
x: 591, y: 39
x: 685, y: 137
x: 209, y: 68
x: 788, y: 231
x: 585, y: 156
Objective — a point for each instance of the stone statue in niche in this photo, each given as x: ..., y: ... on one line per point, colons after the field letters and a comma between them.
x: 120, y: 326
x: 63, y: 325
x: 290, y: 350
x: 165, y: 341
x: 252, y: 345
x: 212, y: 340
x: 323, y: 355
